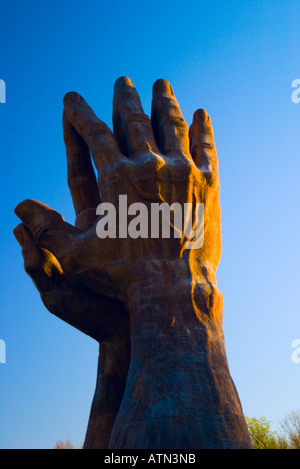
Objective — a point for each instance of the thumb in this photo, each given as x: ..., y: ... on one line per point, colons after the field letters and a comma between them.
x: 39, y: 264
x: 47, y: 227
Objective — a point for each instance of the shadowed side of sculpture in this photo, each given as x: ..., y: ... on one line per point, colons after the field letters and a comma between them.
x: 103, y: 319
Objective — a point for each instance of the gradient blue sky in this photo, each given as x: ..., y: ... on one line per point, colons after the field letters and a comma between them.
x: 236, y: 59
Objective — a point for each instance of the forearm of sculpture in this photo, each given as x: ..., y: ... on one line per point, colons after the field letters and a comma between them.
x: 88, y: 314
x: 113, y: 364
x: 179, y: 391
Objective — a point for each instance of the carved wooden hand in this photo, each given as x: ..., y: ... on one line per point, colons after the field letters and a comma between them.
x: 179, y: 392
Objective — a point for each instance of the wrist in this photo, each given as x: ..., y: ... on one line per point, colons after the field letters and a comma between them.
x: 170, y: 295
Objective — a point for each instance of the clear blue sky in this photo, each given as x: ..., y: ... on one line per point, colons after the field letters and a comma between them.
x: 236, y: 59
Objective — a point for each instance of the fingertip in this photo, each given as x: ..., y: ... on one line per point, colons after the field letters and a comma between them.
x: 122, y: 83
x: 201, y: 116
x: 72, y: 97
x: 202, y: 145
x: 162, y: 86
x: 24, y: 209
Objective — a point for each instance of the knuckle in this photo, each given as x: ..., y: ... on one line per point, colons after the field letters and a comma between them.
x: 212, y: 179
x: 97, y: 128
x: 180, y: 167
x: 176, y: 121
x: 148, y: 166
x: 32, y: 267
x: 138, y: 117
x: 202, y: 147
x: 118, y: 170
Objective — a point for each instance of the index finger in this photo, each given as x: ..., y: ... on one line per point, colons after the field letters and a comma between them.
x: 81, y: 176
x: 94, y: 132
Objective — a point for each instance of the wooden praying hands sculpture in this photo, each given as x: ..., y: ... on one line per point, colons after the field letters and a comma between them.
x: 151, y: 302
